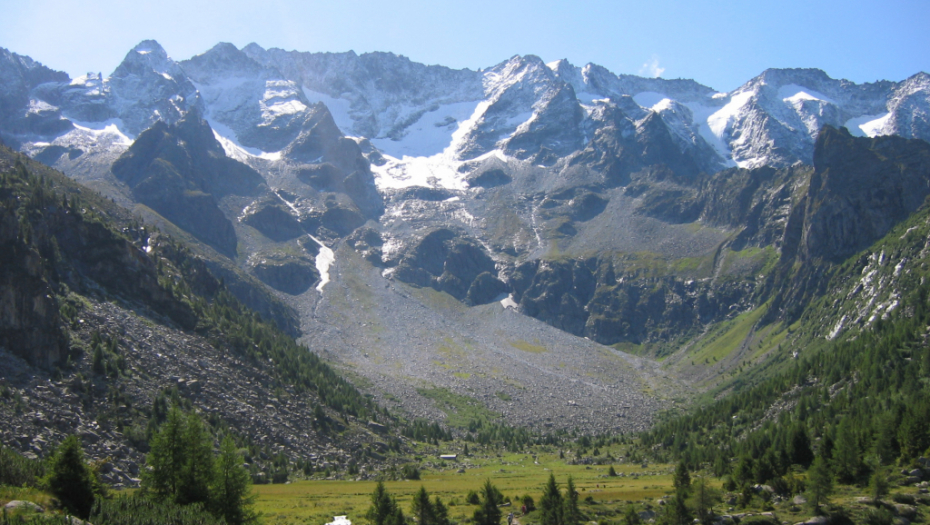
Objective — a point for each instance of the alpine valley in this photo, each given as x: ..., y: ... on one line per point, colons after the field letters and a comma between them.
x: 531, y: 249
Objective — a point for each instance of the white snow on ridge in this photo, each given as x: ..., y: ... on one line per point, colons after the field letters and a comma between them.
x: 227, y: 138
x: 650, y: 99
x: 868, y: 125
x: 107, y: 127
x: 794, y: 94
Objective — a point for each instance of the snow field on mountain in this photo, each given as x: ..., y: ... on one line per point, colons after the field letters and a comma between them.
x: 868, y: 125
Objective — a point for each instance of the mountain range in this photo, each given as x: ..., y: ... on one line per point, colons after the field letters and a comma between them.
x: 531, y: 238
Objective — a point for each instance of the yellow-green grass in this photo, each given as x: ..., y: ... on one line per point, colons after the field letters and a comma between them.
x: 317, y: 501
x: 727, y: 336
x: 528, y: 347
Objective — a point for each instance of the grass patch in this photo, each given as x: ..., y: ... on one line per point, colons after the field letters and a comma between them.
x: 727, y: 336
x: 528, y: 347
x: 317, y: 501
x: 460, y: 410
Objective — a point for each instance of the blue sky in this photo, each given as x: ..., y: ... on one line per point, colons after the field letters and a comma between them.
x: 721, y: 43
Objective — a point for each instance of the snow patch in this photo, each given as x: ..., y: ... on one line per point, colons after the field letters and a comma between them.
x: 795, y: 95
x: 435, y: 171
x: 508, y: 302
x: 431, y: 134
x: 868, y: 125
x: 650, y: 99
x: 234, y: 150
x: 106, y: 127
x: 324, y: 260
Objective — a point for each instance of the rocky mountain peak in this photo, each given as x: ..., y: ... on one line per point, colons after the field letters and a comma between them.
x: 222, y: 59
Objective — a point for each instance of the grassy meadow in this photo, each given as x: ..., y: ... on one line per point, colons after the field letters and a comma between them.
x: 317, y: 501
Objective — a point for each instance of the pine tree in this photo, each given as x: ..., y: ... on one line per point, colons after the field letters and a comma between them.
x: 703, y: 498
x: 682, y: 480
x: 819, y: 483
x: 571, y: 515
x: 440, y: 512
x: 846, y: 455
x: 421, y: 508
x: 878, y: 486
x: 232, y: 487
x: 198, y: 473
x: 167, y: 457
x: 384, y: 509
x: 550, y: 504
x: 488, y: 512
x: 800, y: 452
x: 70, y: 479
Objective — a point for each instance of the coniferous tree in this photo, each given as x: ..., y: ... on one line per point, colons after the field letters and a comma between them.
x: 846, y: 454
x: 198, y: 467
x: 878, y: 486
x: 167, y: 457
x: 682, y: 479
x: 571, y: 515
x: 703, y: 498
x: 384, y: 509
x: 232, y: 487
x: 800, y: 452
x: 550, y: 504
x: 488, y: 512
x: 70, y: 479
x: 440, y: 512
x: 819, y: 483
x: 422, y: 508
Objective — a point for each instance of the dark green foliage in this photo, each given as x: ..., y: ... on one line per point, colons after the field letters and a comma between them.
x: 571, y: 515
x: 799, y: 451
x: 139, y: 510
x: 819, y: 484
x: 410, y: 471
x: 682, y: 479
x: 71, y: 480
x: 182, y: 470
x: 427, y: 512
x: 878, y: 516
x: 197, y: 472
x: 17, y: 470
x: 167, y: 459
x: 676, y: 512
x: 611, y: 472
x: 550, y: 504
x: 878, y: 486
x: 384, y: 509
x: 703, y: 499
x: 488, y: 512
x: 232, y: 493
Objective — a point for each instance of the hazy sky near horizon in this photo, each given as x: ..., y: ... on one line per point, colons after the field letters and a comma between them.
x: 721, y: 43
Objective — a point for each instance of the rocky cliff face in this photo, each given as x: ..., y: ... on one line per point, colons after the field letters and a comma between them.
x: 181, y: 172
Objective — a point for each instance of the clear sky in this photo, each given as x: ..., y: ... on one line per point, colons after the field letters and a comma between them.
x: 718, y: 43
